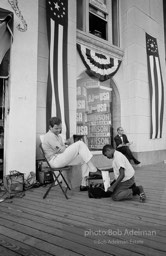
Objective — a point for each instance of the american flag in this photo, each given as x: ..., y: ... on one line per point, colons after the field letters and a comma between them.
x: 57, y: 87
x: 156, y: 87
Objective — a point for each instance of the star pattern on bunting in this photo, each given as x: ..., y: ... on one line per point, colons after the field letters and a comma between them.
x: 152, y: 46
x: 57, y: 9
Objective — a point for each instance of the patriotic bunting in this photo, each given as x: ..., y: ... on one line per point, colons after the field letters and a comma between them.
x: 156, y: 87
x: 57, y: 86
x: 101, y: 66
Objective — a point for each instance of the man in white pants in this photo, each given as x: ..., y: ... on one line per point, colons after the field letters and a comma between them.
x: 59, y: 155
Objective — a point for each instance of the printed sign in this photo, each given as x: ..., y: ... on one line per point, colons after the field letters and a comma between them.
x: 99, y: 117
x: 94, y: 113
x: 82, y: 130
x: 99, y: 129
x: 98, y: 142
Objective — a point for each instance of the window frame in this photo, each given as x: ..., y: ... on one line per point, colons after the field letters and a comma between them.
x: 112, y: 34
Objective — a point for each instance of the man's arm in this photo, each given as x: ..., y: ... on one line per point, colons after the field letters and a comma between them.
x: 60, y: 149
x: 119, y: 179
x: 56, y: 145
x: 121, y: 145
x: 126, y: 141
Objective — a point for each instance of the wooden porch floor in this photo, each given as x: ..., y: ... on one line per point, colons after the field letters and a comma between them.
x: 84, y: 226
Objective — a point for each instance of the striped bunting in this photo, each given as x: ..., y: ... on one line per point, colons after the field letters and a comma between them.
x: 101, y: 66
x: 57, y: 86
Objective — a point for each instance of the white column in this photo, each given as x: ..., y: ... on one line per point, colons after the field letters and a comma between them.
x: 20, y: 122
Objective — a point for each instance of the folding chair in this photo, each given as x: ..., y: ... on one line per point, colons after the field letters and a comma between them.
x: 60, y: 174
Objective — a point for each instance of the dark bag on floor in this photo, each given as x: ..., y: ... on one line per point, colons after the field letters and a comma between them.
x: 97, y: 191
x: 14, y: 182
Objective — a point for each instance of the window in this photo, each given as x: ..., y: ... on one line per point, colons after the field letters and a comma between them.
x: 100, y: 18
x: 94, y: 108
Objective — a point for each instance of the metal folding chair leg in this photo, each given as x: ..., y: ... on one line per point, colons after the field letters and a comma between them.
x: 64, y: 180
x: 56, y: 180
x: 48, y: 190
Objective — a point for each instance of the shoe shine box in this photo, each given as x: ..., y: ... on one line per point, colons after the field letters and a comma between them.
x: 43, y: 174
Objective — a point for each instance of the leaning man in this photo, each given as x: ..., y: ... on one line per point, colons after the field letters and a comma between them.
x: 59, y: 155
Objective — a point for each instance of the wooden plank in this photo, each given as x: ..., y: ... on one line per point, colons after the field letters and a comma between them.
x: 13, y: 247
x: 111, y: 206
x: 79, y: 237
x: 51, y: 239
x: 100, y: 244
x: 36, y: 242
x: 85, y: 211
x: 108, y: 202
x: 6, y: 252
x: 157, y: 245
x: 56, y: 226
x: 150, y: 199
x: 129, y: 225
x: 156, y: 215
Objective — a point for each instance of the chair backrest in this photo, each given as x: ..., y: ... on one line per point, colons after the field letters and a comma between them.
x: 41, y: 147
x: 42, y: 150
x: 41, y: 138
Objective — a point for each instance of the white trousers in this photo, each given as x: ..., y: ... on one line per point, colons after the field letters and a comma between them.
x: 75, y: 154
x: 106, y: 180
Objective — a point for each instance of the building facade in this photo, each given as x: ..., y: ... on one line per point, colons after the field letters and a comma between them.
x: 98, y: 103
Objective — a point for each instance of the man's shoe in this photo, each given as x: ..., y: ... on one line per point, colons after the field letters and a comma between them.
x: 137, y: 162
x: 83, y: 188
